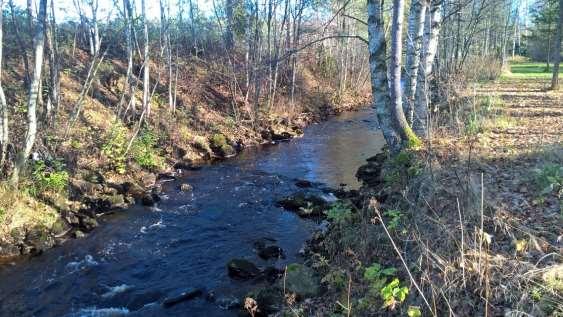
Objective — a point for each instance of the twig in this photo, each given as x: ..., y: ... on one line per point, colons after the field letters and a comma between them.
x: 481, y: 233
x: 462, y: 244
x: 402, y: 259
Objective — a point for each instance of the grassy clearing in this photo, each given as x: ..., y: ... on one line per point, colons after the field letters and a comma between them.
x: 525, y: 70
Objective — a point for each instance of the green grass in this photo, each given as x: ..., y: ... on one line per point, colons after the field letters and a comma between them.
x: 530, y: 70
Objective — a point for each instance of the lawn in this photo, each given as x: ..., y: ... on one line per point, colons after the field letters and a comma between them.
x: 530, y: 70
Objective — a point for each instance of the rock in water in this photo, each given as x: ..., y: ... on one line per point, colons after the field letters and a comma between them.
x: 302, y: 281
x: 270, y: 252
x: 184, y: 296
x: 186, y: 187
x: 303, y: 183
x: 304, y: 204
x: 242, y: 269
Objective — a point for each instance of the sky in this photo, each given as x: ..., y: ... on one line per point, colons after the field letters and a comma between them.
x: 65, y: 8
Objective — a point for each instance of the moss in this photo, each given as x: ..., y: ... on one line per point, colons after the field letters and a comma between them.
x: 220, y: 145
x: 413, y: 141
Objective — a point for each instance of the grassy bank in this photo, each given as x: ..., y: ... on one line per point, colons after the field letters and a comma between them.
x: 469, y: 226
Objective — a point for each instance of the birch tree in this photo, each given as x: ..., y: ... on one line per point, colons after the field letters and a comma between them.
x: 4, y: 138
x: 38, y: 48
x: 146, y: 61
x: 389, y: 111
x: 430, y: 47
x: 415, y: 34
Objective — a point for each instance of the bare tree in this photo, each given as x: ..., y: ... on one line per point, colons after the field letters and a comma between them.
x: 54, y: 68
x: 415, y: 34
x: 557, y: 61
x: 4, y: 129
x: 430, y: 48
x: 38, y: 48
x: 146, y: 61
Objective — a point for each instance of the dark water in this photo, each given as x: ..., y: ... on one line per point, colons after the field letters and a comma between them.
x: 137, y: 258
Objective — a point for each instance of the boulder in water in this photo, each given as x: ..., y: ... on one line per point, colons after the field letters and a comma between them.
x: 182, y: 297
x: 242, y: 269
x: 304, y: 204
x: 271, y: 252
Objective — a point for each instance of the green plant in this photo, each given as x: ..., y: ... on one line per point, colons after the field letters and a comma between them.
x: 473, y: 124
x: 414, y: 311
x: 393, y: 293
x: 339, y: 213
x: 377, y: 276
x: 548, y: 179
x: 52, y: 176
x: 335, y: 279
x: 395, y: 217
x: 400, y: 167
x: 144, y: 150
x: 115, y: 147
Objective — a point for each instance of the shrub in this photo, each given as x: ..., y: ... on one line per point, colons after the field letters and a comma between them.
x: 144, y: 151
x: 49, y: 177
x: 115, y: 147
x: 548, y: 179
x: 339, y: 213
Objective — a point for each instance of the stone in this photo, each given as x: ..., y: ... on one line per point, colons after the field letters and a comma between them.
x: 79, y: 234
x: 186, y: 187
x: 302, y: 281
x: 301, y: 183
x: 150, y: 199
x: 182, y: 297
x: 270, y: 252
x: 242, y: 269
x: 304, y: 204
x: 88, y: 223
x: 148, y: 180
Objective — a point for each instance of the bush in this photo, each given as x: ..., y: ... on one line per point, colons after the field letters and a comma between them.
x: 144, y: 150
x: 49, y: 177
x: 115, y: 147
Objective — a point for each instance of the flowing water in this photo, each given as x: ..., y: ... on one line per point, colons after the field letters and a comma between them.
x: 138, y: 257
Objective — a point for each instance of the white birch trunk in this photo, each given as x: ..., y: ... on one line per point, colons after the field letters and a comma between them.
x: 38, y: 44
x: 430, y: 47
x: 415, y: 35
x: 4, y: 137
x: 378, y: 70
x: 146, y: 68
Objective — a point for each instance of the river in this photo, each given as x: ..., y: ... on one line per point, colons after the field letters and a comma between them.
x: 138, y: 257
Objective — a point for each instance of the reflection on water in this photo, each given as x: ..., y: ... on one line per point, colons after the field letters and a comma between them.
x: 139, y: 257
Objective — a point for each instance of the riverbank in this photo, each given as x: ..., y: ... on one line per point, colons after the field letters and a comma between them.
x: 104, y: 163
x: 469, y: 225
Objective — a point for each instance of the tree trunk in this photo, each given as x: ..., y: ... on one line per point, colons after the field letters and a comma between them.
x: 430, y: 46
x: 146, y: 56
x: 557, y: 60
x: 379, y: 84
x: 229, y: 38
x: 38, y: 44
x: 54, y: 66
x: 414, y: 44
x: 4, y: 138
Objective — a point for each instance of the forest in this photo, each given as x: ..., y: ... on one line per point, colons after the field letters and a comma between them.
x: 281, y: 158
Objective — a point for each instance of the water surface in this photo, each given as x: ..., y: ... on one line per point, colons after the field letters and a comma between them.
x: 138, y: 257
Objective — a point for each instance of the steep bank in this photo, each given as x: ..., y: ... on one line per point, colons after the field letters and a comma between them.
x: 469, y: 226
x: 104, y: 163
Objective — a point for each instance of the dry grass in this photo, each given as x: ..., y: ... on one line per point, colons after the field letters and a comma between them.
x: 478, y: 232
